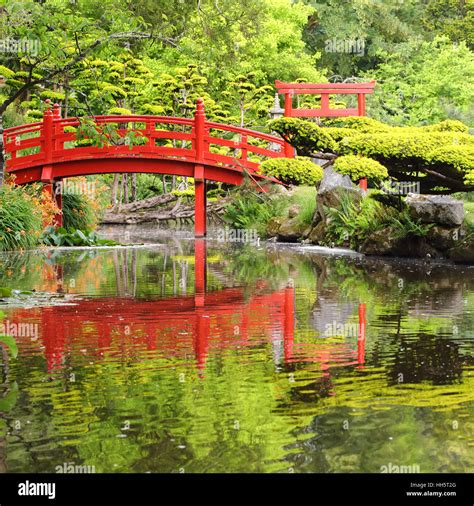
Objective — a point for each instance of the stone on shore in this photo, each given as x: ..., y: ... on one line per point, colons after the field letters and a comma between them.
x: 439, y: 209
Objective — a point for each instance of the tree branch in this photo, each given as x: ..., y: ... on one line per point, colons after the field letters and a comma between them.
x: 64, y: 69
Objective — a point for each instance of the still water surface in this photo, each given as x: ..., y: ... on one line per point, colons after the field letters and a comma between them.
x: 269, y: 359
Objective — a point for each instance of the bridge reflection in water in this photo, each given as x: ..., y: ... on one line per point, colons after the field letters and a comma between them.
x: 188, y: 325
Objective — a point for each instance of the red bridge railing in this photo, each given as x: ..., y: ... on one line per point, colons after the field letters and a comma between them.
x: 193, y: 140
x: 45, y: 151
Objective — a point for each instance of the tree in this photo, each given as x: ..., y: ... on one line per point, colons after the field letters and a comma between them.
x: 376, y: 25
x: 454, y: 18
x: 61, y: 39
x: 439, y: 157
x: 424, y: 83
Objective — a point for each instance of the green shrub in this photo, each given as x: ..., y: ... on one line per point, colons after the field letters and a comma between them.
x: 305, y: 135
x: 298, y: 171
x: 351, y: 223
x: 253, y: 211
x: 78, y: 213
x: 305, y: 198
x: 439, y: 156
x: 448, y: 125
x: 20, y: 219
x: 358, y: 167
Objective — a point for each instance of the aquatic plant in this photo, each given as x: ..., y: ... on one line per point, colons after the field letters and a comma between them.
x: 63, y: 237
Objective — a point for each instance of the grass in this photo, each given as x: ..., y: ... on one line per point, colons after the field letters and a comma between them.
x: 469, y: 217
x: 305, y: 198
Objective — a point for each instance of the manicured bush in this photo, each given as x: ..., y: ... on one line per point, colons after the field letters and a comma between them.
x: 358, y: 167
x: 440, y: 157
x: 297, y: 171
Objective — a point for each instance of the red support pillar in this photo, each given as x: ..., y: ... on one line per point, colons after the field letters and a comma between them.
x: 289, y: 319
x: 48, y: 144
x: 200, y: 271
x: 361, y: 104
x: 289, y: 150
x: 200, y: 213
x: 363, y: 184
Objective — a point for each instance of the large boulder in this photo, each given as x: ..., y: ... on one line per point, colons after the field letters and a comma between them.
x: 439, y: 209
x: 331, y: 190
x: 291, y: 230
x: 387, y: 242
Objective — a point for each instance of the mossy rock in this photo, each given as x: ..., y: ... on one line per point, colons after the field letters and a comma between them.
x: 443, y: 238
x: 463, y: 252
x: 273, y: 226
x: 317, y: 234
x: 291, y: 230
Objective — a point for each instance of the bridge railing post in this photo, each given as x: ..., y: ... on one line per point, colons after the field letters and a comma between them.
x: 49, y: 188
x: 200, y: 221
x: 48, y: 127
x: 200, y: 130
x: 288, y: 148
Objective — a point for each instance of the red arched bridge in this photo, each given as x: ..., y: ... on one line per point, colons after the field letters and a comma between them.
x: 48, y: 151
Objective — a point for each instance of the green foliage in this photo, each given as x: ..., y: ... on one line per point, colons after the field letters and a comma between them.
x: 297, y: 171
x: 249, y: 210
x: 424, y: 82
x: 358, y: 167
x: 305, y: 198
x: 20, y: 219
x: 63, y: 237
x: 440, y: 157
x: 448, y: 125
x: 351, y: 223
x: 78, y: 213
x: 308, y: 137
x: 469, y: 217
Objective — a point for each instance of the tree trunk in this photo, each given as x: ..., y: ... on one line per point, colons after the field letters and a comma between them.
x: 115, y: 185
x: 134, y: 187
x: 125, y: 188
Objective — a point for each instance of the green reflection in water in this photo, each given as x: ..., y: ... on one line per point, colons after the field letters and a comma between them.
x: 143, y: 394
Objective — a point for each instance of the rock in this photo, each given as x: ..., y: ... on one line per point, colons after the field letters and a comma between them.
x: 279, y: 189
x: 386, y: 242
x: 291, y: 230
x: 439, y: 209
x: 463, y: 252
x: 381, y: 242
x: 273, y: 226
x: 316, y: 236
x: 332, y: 180
x: 443, y: 238
x: 294, y: 210
x: 331, y: 190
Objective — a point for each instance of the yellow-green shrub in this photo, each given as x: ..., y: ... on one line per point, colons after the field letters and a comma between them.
x: 358, y: 167
x: 297, y: 171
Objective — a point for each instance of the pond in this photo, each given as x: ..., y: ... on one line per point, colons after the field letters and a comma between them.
x: 182, y: 356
